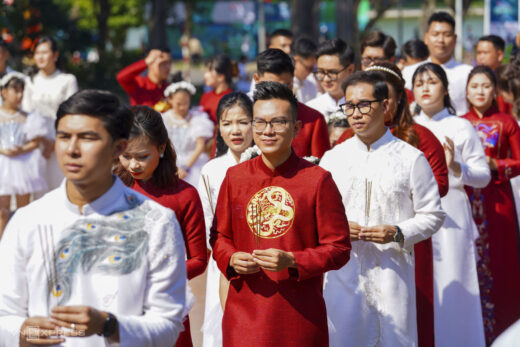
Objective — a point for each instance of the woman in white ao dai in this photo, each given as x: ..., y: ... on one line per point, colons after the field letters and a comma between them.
x: 457, y: 308
x: 234, y: 116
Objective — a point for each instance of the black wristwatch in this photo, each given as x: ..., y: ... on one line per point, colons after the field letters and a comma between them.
x: 110, y: 326
x: 398, y: 237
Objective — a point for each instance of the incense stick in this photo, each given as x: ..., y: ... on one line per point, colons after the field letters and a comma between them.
x: 49, y: 260
x: 368, y: 195
x: 208, y: 193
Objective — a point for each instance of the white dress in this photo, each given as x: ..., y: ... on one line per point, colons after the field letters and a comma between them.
x: 22, y: 174
x: 45, y: 94
x: 213, y: 173
x: 371, y: 300
x: 183, y: 134
x: 123, y: 254
x: 457, y: 74
x: 457, y: 308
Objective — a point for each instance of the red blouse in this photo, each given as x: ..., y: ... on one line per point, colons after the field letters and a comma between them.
x: 209, y: 102
x: 500, y: 136
x: 184, y: 200
x: 140, y: 89
x: 313, y: 138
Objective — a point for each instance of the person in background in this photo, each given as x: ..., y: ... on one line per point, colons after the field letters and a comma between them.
x: 281, y: 39
x: 219, y: 75
x: 508, y: 86
x: 304, y: 55
x: 490, y: 52
x: 493, y: 206
x: 148, y: 166
x: 44, y: 92
x: 456, y: 291
x: 21, y: 162
x: 273, y: 65
x: 335, y: 62
x: 234, y: 137
x: 147, y: 90
x: 377, y: 47
x: 441, y: 40
x: 4, y: 56
x: 413, y: 52
x: 188, y: 130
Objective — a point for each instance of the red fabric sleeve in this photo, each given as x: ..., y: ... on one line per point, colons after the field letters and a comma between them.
x: 320, y: 138
x: 192, y: 223
x: 333, y: 250
x: 434, y: 153
x: 221, y: 233
x: 510, y: 167
x: 347, y: 134
x: 127, y: 76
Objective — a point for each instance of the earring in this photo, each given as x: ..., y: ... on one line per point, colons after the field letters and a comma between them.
x: 161, y: 155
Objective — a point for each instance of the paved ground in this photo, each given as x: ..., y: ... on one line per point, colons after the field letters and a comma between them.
x: 198, y: 287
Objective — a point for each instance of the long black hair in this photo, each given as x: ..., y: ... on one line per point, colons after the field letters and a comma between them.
x: 227, y: 102
x: 441, y: 74
x: 149, y: 123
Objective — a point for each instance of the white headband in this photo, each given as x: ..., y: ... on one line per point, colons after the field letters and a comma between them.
x: 9, y: 76
x: 174, y: 87
x: 384, y: 69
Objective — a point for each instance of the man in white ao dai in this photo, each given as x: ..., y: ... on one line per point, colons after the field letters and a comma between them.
x: 392, y: 202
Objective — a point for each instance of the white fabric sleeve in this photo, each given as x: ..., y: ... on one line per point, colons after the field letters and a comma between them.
x: 429, y: 215
x: 206, y: 204
x: 36, y: 126
x: 13, y: 287
x: 201, y: 125
x: 71, y: 86
x: 27, y: 104
x: 474, y: 167
x: 165, y: 296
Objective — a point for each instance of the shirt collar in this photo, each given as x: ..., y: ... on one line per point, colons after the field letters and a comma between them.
x: 448, y: 65
x: 383, y: 140
x: 438, y: 116
x: 117, y: 198
x: 280, y: 170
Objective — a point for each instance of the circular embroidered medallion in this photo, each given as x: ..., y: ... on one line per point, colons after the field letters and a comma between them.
x: 270, y: 212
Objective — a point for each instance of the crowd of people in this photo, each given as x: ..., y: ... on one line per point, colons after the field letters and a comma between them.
x: 331, y: 205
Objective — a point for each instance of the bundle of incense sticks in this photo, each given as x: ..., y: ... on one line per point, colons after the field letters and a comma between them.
x: 368, y: 194
x: 205, y: 180
x: 257, y: 218
x: 46, y: 235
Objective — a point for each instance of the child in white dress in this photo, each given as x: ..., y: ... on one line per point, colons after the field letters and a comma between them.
x: 188, y: 129
x: 21, y: 162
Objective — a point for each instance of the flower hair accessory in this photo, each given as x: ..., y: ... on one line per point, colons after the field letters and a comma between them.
x: 384, y: 69
x: 9, y: 76
x: 336, y: 116
x: 182, y: 85
x: 250, y: 153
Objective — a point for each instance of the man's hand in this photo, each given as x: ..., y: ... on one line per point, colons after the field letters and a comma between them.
x: 243, y: 263
x: 379, y: 233
x: 152, y: 56
x: 86, y: 320
x: 354, y: 231
x: 273, y: 259
x: 39, y: 331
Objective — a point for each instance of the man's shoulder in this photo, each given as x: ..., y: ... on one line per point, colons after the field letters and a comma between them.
x: 314, y: 103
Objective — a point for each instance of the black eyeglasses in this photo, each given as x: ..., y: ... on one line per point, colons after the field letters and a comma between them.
x: 278, y: 125
x: 364, y: 107
x: 369, y: 61
x: 333, y: 74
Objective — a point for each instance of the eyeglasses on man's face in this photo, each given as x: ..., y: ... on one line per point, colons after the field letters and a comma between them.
x: 277, y: 124
x: 332, y: 74
x: 368, y: 61
x: 364, y: 107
